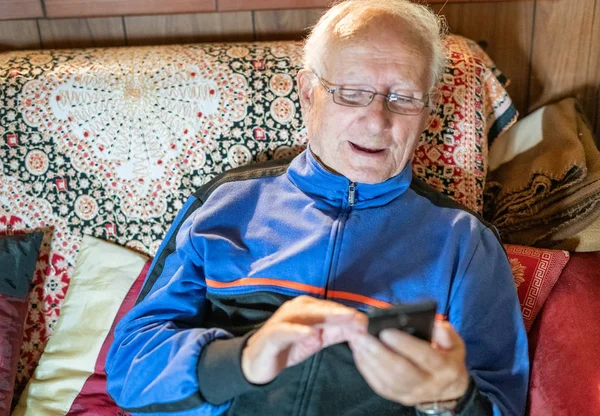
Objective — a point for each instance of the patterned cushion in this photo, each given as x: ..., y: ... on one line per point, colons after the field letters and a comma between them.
x: 535, y: 271
x: 110, y: 142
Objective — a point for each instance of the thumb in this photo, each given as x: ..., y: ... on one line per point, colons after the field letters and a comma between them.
x: 444, y: 336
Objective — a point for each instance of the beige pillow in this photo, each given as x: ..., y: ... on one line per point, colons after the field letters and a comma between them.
x: 104, y: 274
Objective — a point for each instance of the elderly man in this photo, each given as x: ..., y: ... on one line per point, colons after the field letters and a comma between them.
x: 256, y: 300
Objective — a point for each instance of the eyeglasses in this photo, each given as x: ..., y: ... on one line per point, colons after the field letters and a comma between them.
x: 396, y: 103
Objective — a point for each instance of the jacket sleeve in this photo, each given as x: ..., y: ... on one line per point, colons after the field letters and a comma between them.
x: 152, y: 366
x: 485, y: 310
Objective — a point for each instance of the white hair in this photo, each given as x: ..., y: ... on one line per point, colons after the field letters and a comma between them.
x: 346, y: 18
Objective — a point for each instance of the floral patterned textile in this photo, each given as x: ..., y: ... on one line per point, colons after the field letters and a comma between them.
x: 110, y: 142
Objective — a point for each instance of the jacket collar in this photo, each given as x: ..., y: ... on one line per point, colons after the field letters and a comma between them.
x: 313, y: 179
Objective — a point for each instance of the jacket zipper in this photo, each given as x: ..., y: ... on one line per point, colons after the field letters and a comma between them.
x: 315, y: 360
x: 350, y: 201
x: 351, y: 194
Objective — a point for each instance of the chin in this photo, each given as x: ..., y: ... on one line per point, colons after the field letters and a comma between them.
x: 359, y: 176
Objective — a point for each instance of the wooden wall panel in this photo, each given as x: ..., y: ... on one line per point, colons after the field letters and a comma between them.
x: 592, y: 98
x: 565, y: 54
x: 284, y: 24
x: 189, y: 28
x: 20, y: 9
x: 19, y: 34
x: 88, y: 8
x: 505, y: 31
x: 82, y: 33
x: 224, y: 5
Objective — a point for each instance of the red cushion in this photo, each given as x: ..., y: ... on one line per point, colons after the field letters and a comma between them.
x: 93, y: 398
x: 563, y: 343
x: 535, y: 271
x: 18, y: 254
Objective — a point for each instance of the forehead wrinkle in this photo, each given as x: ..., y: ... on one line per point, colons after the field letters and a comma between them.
x: 377, y: 44
x: 354, y: 66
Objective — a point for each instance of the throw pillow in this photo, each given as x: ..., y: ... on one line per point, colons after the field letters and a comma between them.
x: 70, y: 378
x: 535, y: 272
x: 18, y: 255
x: 563, y: 343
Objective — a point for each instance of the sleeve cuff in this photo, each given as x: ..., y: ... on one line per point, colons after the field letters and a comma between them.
x: 473, y: 403
x: 220, y: 376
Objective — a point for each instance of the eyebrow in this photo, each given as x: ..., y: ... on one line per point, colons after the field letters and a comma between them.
x: 398, y: 85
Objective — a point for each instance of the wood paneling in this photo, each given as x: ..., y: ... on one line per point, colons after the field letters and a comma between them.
x: 20, y: 9
x: 565, y: 54
x: 505, y: 31
x: 82, y: 33
x: 592, y: 98
x: 83, y: 8
x: 224, y: 5
x: 157, y: 30
x: 301, y: 4
x: 284, y: 24
x: 19, y: 34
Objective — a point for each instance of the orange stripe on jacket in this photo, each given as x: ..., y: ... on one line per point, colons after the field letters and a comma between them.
x: 336, y: 294
x: 264, y: 281
x: 303, y: 287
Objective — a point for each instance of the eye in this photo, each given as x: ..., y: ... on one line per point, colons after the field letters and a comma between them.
x: 401, y: 99
x: 351, y: 96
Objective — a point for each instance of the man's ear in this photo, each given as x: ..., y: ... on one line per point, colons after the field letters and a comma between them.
x: 305, y: 90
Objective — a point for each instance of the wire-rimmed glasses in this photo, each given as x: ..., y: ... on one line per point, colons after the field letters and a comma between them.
x: 396, y: 103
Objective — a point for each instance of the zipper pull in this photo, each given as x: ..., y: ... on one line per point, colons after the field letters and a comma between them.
x: 351, y: 191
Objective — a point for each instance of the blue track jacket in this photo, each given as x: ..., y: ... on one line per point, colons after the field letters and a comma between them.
x: 258, y: 236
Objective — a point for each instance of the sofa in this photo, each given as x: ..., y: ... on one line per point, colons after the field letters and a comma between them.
x: 100, y: 149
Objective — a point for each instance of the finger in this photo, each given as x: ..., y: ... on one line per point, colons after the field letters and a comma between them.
x: 370, y: 374
x: 389, y: 362
x: 418, y: 351
x: 338, y: 333
x: 445, y: 336
x: 392, y: 385
x: 281, y: 335
x: 311, y: 311
x: 304, y: 348
x: 352, y: 315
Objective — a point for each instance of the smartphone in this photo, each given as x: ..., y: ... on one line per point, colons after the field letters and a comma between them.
x: 414, y: 318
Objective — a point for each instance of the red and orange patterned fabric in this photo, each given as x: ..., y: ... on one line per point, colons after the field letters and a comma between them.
x: 535, y: 271
x: 110, y: 142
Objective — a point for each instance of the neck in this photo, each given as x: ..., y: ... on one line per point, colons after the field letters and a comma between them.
x: 318, y: 159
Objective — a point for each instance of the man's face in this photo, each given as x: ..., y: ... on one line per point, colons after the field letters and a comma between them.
x: 367, y: 144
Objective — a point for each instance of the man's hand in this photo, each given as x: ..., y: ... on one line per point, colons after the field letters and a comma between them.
x: 407, y: 370
x: 298, y: 329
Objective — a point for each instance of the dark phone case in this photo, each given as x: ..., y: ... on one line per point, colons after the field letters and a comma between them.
x: 413, y: 318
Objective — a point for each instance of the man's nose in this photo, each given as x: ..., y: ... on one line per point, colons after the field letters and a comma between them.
x: 378, y: 117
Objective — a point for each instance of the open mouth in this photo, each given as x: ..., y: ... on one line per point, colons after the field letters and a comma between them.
x: 365, y: 149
